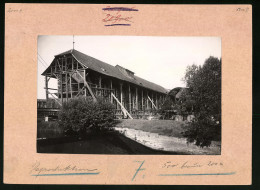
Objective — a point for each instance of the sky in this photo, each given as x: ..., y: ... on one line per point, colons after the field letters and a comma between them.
x: 162, y: 60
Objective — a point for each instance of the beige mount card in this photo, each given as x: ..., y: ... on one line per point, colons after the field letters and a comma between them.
x: 24, y: 26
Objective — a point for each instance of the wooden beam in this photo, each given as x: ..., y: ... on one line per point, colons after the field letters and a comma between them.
x: 55, y: 70
x: 85, y: 91
x: 61, y: 89
x: 111, y: 87
x: 100, y: 85
x: 51, y: 88
x: 121, y: 93
x: 67, y: 90
x: 156, y: 100
x: 66, y: 64
x: 89, y: 89
x: 136, y: 98
x: 147, y: 101
x: 152, y: 102
x: 59, y: 64
x: 72, y: 62
x: 46, y: 87
x: 56, y: 99
x: 71, y: 94
x: 125, y: 112
x: 80, y: 91
x: 129, y: 94
x: 142, y: 99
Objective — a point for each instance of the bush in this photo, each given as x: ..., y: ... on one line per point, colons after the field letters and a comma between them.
x: 81, y: 115
x: 203, y: 130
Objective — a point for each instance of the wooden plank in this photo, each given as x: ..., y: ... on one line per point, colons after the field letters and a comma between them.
x: 51, y: 88
x: 80, y: 91
x: 89, y: 89
x: 122, y: 107
x: 152, y: 102
x: 56, y: 99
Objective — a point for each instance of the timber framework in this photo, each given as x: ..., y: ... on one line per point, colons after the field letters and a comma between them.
x: 78, y: 74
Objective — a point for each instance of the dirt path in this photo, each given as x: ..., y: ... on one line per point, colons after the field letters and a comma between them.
x: 166, y: 143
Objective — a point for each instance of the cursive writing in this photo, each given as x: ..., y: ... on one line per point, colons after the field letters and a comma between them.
x: 187, y: 165
x: 242, y: 9
x: 10, y: 10
x: 116, y: 18
x: 118, y: 15
x: 37, y: 169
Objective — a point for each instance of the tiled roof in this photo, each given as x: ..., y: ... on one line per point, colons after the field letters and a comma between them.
x: 113, y: 71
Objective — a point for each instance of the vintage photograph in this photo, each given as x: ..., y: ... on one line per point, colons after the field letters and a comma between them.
x: 129, y: 95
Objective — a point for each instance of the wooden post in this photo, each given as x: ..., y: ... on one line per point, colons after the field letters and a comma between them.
x: 136, y: 98
x: 152, y: 100
x: 121, y: 93
x: 46, y: 87
x: 156, y: 100
x: 100, y: 85
x: 71, y: 93
x: 78, y: 86
x: 66, y: 64
x: 66, y: 80
x: 111, y: 87
x: 160, y: 101
x: 142, y: 99
x: 85, y: 91
x: 72, y: 66
x: 61, y: 88
x: 129, y: 91
x: 147, y: 101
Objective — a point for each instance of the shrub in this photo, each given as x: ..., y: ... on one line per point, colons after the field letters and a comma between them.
x: 81, y: 115
x: 203, y: 130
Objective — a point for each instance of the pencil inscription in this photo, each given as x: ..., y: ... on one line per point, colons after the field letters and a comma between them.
x: 38, y: 169
x: 11, y: 10
x: 118, y: 16
x: 188, y: 164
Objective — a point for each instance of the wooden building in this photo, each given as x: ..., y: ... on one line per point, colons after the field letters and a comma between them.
x: 79, y: 74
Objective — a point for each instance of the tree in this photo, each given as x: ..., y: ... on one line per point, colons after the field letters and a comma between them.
x: 204, y: 83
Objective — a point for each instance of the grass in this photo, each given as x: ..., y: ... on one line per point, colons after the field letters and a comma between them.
x: 162, y: 127
x: 173, y: 128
